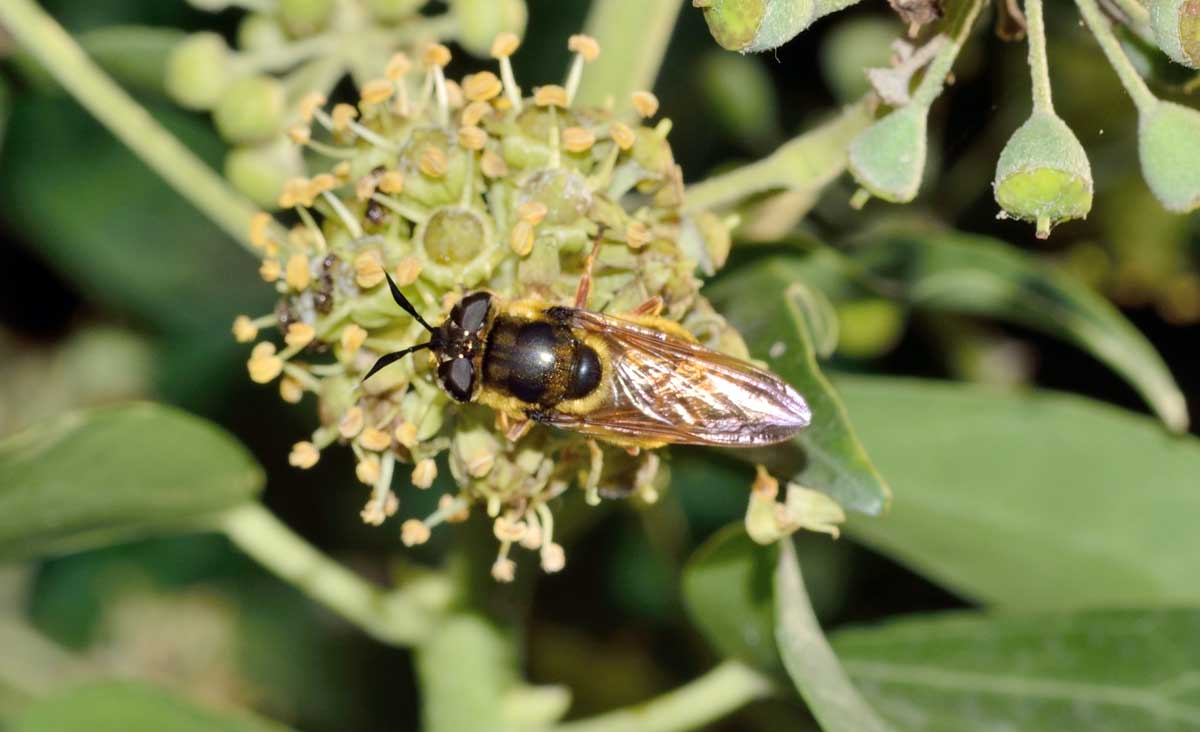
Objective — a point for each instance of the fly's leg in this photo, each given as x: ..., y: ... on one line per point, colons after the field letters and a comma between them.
x: 591, y: 490
x: 585, y: 280
x: 652, y: 307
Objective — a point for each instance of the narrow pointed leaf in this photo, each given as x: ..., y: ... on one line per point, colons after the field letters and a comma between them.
x: 107, y: 475
x: 766, y: 304
x: 1103, y: 671
x: 1031, y: 499
x: 815, y: 670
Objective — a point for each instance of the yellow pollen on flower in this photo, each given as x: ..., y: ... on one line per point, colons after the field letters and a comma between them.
x: 424, y: 473
x: 367, y: 470
x: 406, y: 434
x: 299, y: 335
x: 407, y: 271
x: 244, y: 329
x: 264, y: 365
x: 397, y: 67
x: 414, y: 533
x: 492, y: 165
x: 341, y: 171
x: 298, y: 275
x: 474, y: 112
x: 585, y: 46
x: 270, y: 270
x: 481, y: 464
x: 481, y: 87
x: 364, y: 187
x: 764, y: 484
x: 521, y: 239
x: 321, y: 183
x: 504, y: 570
x: 368, y: 272
x: 294, y: 193
x: 290, y: 390
x: 533, y: 537
x: 506, y: 529
x: 432, y: 162
x: 343, y: 114
x: 435, y: 54
x: 352, y: 339
x: 375, y: 439
x: 351, y: 423
x: 645, y: 103
x: 391, y: 182
x: 472, y: 138
x: 454, y: 94
x: 551, y: 95
x: 309, y: 104
x: 260, y: 226
x: 532, y: 211
x: 577, y: 139
x: 505, y: 45
x: 446, y: 502
x: 300, y: 134
x: 622, y: 135
x: 553, y: 558
x: 304, y: 455
x: 637, y: 235
x: 377, y: 91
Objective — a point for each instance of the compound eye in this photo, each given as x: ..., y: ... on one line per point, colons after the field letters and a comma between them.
x: 472, y: 311
x: 457, y: 377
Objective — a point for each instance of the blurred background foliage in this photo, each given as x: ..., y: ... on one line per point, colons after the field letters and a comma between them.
x: 112, y: 288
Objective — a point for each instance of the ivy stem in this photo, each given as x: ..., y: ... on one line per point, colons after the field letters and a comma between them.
x: 1039, y: 68
x: 932, y: 83
x: 722, y: 690
x: 34, y: 29
x: 400, y: 617
x: 1143, y: 98
x: 1137, y: 17
x: 629, y: 61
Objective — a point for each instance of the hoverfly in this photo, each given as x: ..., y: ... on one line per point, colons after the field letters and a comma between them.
x: 635, y: 381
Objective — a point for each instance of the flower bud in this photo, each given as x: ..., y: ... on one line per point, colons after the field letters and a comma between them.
x: 1169, y: 149
x: 260, y: 32
x: 868, y: 328
x: 251, y: 110
x: 1176, y: 26
x: 305, y: 17
x: 198, y: 70
x: 390, y: 11
x: 888, y: 158
x: 741, y: 95
x: 480, y: 21
x: 1043, y: 174
x: 750, y: 26
x: 260, y: 171
x: 856, y: 43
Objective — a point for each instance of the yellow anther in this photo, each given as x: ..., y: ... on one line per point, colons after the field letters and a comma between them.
x: 645, y: 103
x: 481, y: 87
x: 368, y: 271
x: 298, y: 275
x: 622, y: 135
x: 304, y: 455
x: 352, y: 339
x: 505, y: 45
x: 585, y: 46
x: 435, y: 54
x: 377, y: 91
x: 551, y: 95
x: 299, y: 335
x: 577, y: 139
x: 407, y: 271
x: 432, y: 162
x: 375, y: 439
x: 397, y: 66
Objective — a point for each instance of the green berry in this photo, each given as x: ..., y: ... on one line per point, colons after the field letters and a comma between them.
x: 259, y: 172
x: 390, y: 11
x: 1169, y: 149
x: 1043, y: 174
x: 1176, y: 26
x: 888, y: 158
x: 260, y: 32
x: 251, y: 110
x: 868, y: 328
x: 852, y: 46
x: 740, y: 93
x: 479, y: 21
x: 198, y: 70
x: 305, y: 17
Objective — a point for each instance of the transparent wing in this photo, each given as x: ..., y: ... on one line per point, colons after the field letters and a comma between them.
x: 664, y: 388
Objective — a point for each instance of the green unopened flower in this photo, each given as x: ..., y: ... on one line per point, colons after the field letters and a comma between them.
x: 1169, y: 150
x: 1043, y: 174
x: 1176, y: 26
x: 197, y: 70
x: 475, y: 185
x: 305, y: 17
x: 251, y: 110
x: 888, y: 158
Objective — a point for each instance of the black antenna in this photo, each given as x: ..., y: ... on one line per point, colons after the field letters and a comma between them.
x: 404, y: 304
x: 390, y: 358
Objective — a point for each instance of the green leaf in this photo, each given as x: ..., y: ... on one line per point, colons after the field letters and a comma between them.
x: 973, y: 274
x: 1031, y: 500
x: 466, y: 667
x: 1109, y: 671
x: 767, y: 303
x: 728, y: 591
x: 815, y: 670
x: 101, y: 218
x: 129, y: 707
x: 107, y: 475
